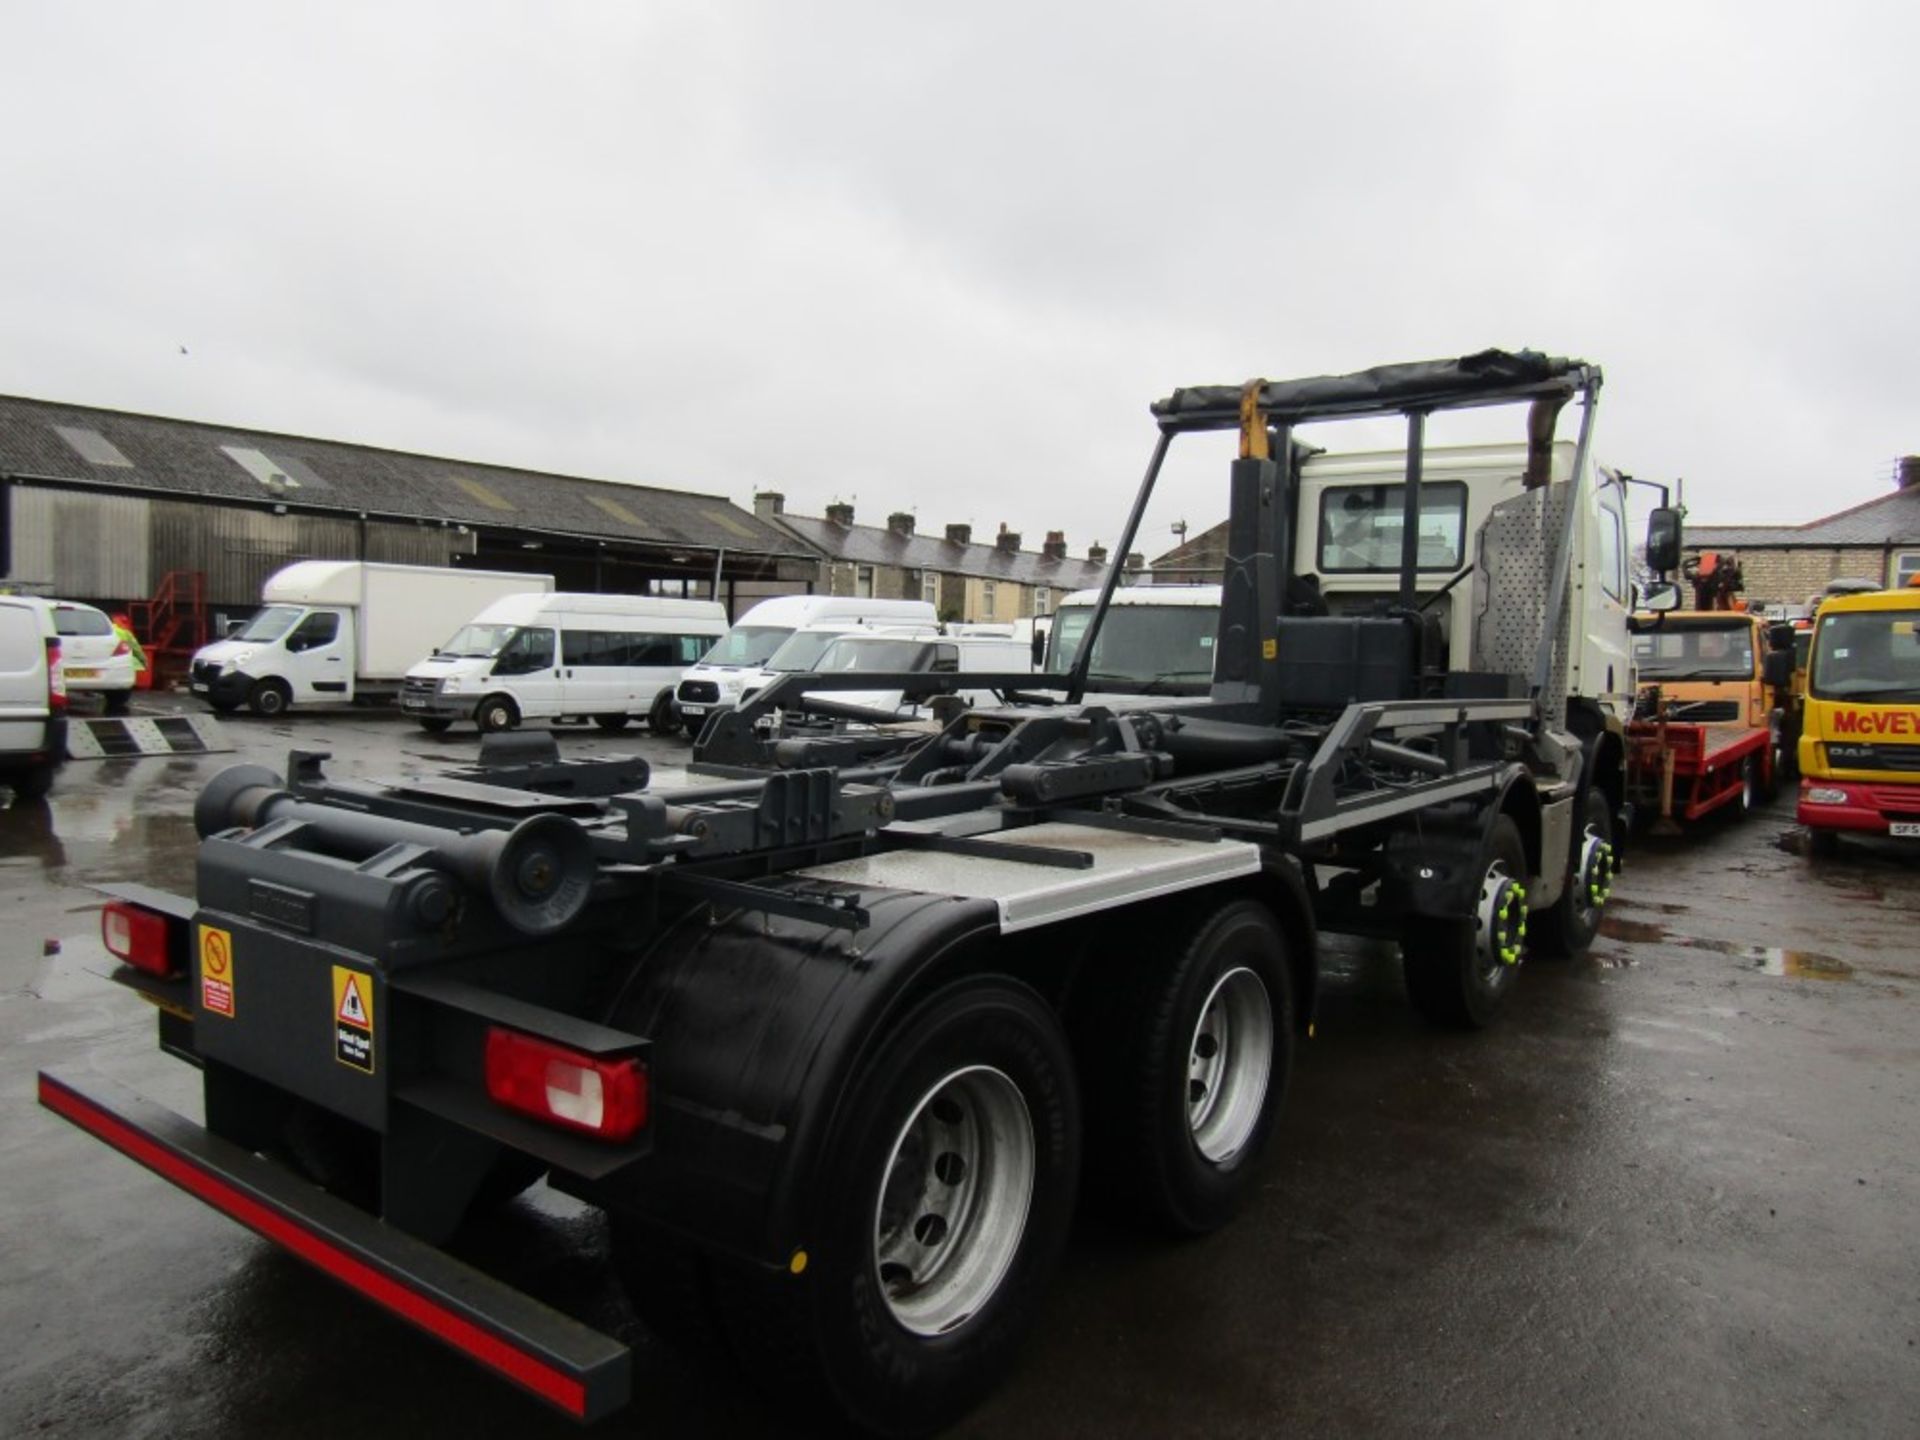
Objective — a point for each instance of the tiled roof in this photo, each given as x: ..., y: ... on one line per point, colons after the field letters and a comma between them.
x: 874, y: 545
x: 1888, y: 520
x: 47, y: 440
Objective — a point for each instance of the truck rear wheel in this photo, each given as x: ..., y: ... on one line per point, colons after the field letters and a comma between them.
x: 1569, y: 926
x: 269, y: 698
x: 941, y: 1209
x: 1459, y: 971
x: 611, y: 723
x: 1191, y: 1063
x: 435, y: 725
x: 496, y: 713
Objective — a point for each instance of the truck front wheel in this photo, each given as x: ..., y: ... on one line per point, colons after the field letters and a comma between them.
x: 1459, y: 971
x: 496, y: 713
x: 941, y: 1210
x: 664, y: 718
x: 1190, y: 1060
x: 269, y: 698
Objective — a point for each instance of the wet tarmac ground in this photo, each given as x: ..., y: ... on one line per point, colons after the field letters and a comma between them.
x: 1673, y: 1192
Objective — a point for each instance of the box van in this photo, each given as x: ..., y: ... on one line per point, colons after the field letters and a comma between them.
x: 738, y: 663
x: 33, y: 697
x: 880, y: 651
x: 336, y: 631
x: 561, y: 656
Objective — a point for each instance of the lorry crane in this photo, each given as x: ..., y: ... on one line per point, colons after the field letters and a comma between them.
x: 833, y: 1044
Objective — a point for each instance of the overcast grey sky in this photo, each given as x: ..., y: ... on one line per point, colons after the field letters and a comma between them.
x: 941, y: 258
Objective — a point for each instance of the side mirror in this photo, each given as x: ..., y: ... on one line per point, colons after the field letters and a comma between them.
x: 1661, y: 597
x: 1780, y: 635
x: 1777, y: 668
x: 1663, y: 539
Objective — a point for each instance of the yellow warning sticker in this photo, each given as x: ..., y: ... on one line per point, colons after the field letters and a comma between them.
x: 353, y: 1018
x: 1269, y: 649
x: 216, y: 971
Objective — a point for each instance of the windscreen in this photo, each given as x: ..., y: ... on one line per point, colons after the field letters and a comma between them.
x: 1145, y: 649
x: 1682, y: 651
x: 802, y: 650
x: 72, y: 620
x: 1867, y: 656
x: 746, y: 645
x: 478, y: 642
x: 271, y: 623
x: 846, y: 654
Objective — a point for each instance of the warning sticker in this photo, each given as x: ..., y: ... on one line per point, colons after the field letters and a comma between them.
x: 353, y: 1018
x: 216, y: 971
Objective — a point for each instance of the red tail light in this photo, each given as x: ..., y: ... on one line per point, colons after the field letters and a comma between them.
x: 121, y: 649
x: 56, y: 678
x: 138, y: 937
x: 603, y: 1098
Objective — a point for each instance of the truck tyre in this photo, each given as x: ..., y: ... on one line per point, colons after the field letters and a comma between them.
x: 434, y: 725
x: 269, y: 698
x: 1192, y: 1063
x: 1459, y: 971
x: 1569, y: 926
x: 1775, y: 760
x: 117, y: 701
x: 937, y: 1218
x: 1749, y: 784
x: 664, y: 718
x: 611, y: 723
x: 496, y: 713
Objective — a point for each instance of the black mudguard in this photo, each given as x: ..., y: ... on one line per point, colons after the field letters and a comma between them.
x: 758, y: 1024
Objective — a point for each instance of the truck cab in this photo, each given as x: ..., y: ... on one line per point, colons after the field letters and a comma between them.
x: 1860, y: 726
x: 308, y: 649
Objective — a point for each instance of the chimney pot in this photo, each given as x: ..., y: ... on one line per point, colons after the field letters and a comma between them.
x: 959, y: 534
x: 840, y: 513
x: 900, y: 523
x: 769, y: 503
x: 1056, y: 546
x: 1096, y: 554
x: 1007, y: 540
x: 1908, y: 474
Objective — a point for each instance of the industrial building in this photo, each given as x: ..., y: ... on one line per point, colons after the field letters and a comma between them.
x: 181, y: 518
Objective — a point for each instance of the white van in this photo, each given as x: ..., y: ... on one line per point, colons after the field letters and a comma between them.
x: 879, y: 652
x: 33, y: 697
x: 610, y: 658
x: 1156, y: 640
x: 738, y: 664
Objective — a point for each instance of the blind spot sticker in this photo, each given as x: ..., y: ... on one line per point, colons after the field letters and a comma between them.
x: 353, y: 1018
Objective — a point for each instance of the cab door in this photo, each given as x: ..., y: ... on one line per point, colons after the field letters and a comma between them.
x: 319, y: 657
x: 1600, y: 611
x: 528, y: 669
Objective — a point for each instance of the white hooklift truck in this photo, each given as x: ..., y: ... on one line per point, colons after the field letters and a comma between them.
x: 833, y: 1047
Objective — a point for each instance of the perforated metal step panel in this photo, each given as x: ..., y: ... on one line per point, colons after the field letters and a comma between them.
x: 117, y: 737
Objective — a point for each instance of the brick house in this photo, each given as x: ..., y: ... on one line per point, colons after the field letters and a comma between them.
x: 964, y: 580
x: 1785, y: 564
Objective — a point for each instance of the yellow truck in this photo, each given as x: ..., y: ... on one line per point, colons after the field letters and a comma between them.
x: 1860, y: 729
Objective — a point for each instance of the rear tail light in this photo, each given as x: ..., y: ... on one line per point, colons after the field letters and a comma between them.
x: 138, y: 937
x: 121, y: 649
x: 603, y: 1098
x: 56, y: 677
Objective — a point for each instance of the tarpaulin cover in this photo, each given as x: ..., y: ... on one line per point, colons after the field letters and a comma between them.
x: 1439, y: 383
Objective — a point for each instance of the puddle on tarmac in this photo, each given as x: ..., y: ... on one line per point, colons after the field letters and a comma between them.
x: 1767, y: 959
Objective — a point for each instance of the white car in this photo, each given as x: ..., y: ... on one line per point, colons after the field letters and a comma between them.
x: 96, y: 660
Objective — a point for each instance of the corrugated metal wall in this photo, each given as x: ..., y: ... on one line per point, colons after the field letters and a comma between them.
x: 85, y: 546
x: 80, y: 546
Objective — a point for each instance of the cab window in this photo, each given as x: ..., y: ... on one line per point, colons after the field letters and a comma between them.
x: 321, y: 627
x: 1360, y: 527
